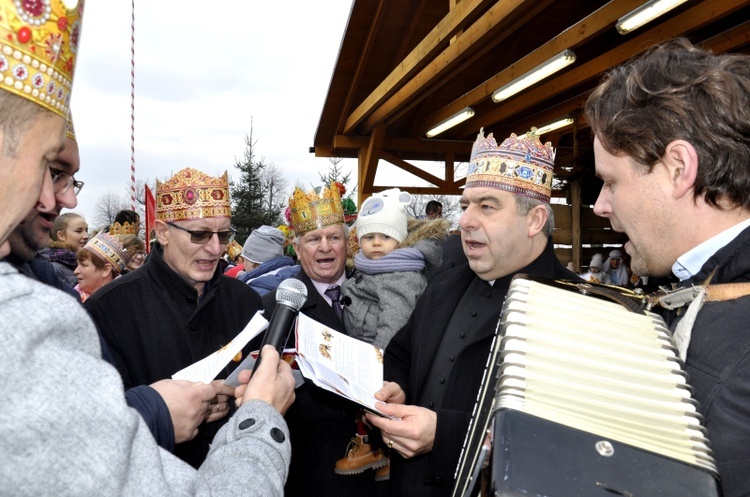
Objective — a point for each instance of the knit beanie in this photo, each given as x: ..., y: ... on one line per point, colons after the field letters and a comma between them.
x: 263, y: 244
x: 385, y: 213
x: 597, y: 261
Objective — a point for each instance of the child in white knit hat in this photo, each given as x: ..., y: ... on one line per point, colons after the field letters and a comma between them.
x: 389, y: 277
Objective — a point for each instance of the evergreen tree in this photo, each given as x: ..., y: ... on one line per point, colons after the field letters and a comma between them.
x: 249, y: 209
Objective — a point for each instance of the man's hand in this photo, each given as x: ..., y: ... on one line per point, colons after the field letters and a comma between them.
x: 412, y: 434
x: 189, y: 405
x: 272, y: 382
x: 391, y: 393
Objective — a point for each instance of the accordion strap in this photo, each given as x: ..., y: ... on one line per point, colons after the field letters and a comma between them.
x: 727, y: 291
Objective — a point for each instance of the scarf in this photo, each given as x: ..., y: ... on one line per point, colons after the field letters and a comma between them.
x: 405, y: 259
x: 61, y: 255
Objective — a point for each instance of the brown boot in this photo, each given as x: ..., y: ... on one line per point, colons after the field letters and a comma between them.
x: 360, y: 457
x: 383, y: 473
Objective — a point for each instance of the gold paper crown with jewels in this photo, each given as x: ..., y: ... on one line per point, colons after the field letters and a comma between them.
x: 109, y: 249
x: 70, y: 131
x: 520, y: 165
x: 38, y: 49
x: 125, y: 228
x: 317, y: 209
x: 233, y: 250
x: 191, y: 194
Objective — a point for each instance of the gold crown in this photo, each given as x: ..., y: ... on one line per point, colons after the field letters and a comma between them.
x: 38, y: 48
x: 70, y: 131
x: 191, y: 194
x: 234, y: 249
x: 317, y: 209
x: 520, y: 165
x: 125, y: 228
x: 109, y: 249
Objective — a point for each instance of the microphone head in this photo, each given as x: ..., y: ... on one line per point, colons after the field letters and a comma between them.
x: 292, y: 292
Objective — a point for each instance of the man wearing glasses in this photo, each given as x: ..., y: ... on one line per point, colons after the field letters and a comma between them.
x: 33, y: 233
x: 178, y: 308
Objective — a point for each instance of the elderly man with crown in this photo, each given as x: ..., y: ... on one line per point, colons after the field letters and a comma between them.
x: 434, y: 364
x: 66, y: 427
x: 179, y: 308
x: 319, y: 421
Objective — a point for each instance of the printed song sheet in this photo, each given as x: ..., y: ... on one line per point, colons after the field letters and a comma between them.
x: 339, y: 363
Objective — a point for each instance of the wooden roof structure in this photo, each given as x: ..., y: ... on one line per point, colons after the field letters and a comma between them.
x: 406, y: 65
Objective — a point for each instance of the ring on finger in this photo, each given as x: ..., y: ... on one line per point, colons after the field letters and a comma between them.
x: 390, y: 444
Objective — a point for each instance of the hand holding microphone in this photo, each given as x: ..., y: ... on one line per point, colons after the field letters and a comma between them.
x: 291, y: 295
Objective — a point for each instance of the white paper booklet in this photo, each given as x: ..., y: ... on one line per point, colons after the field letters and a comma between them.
x: 339, y: 363
x: 205, y: 370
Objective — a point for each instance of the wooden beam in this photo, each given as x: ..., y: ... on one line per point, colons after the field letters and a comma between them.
x: 419, y: 173
x: 372, y: 156
x: 424, y: 51
x: 478, y: 37
x: 584, y: 30
x: 396, y: 144
x: 739, y: 36
x: 694, y: 18
x: 362, y: 63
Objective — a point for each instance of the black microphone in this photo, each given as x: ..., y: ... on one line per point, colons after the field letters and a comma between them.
x: 290, y: 297
x: 345, y: 301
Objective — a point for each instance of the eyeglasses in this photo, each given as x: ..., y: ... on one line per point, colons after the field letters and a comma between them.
x: 63, y: 180
x: 203, y: 236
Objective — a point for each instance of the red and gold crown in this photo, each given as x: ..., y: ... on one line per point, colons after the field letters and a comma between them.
x: 191, y: 194
x: 109, y: 249
x: 38, y: 49
x: 520, y: 165
x: 317, y: 209
x: 125, y: 228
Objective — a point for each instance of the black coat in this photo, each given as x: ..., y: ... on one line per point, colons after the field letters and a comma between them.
x: 409, y: 359
x: 155, y: 325
x: 718, y: 364
x: 321, y: 423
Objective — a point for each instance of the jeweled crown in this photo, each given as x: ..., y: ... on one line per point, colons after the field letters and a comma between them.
x: 316, y: 209
x: 38, y: 49
x: 520, y: 165
x: 191, y: 194
x: 125, y: 228
x: 109, y: 248
x: 70, y: 131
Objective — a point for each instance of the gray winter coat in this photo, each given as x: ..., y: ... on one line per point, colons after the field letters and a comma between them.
x: 65, y: 428
x: 378, y: 305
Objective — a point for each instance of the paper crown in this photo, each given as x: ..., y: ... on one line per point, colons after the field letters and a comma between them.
x: 125, y: 228
x: 38, y: 49
x: 520, y: 165
x: 191, y: 194
x: 70, y: 131
x: 317, y: 209
x: 233, y: 250
x: 110, y: 250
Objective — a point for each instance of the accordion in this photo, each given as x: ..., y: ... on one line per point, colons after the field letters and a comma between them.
x: 584, y: 397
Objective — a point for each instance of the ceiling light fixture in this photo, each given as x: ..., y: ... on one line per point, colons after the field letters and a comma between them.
x: 645, y: 13
x: 559, y: 61
x: 455, y: 119
x: 556, y: 124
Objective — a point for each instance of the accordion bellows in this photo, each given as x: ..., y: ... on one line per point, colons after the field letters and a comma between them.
x: 589, y: 398
x: 591, y: 365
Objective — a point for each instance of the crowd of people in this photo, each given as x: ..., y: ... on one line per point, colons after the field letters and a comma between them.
x: 93, y: 333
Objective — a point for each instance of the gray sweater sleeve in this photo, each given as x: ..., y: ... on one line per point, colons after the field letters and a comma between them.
x: 65, y: 428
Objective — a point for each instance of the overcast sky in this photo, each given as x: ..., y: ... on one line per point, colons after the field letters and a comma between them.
x: 203, y: 69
